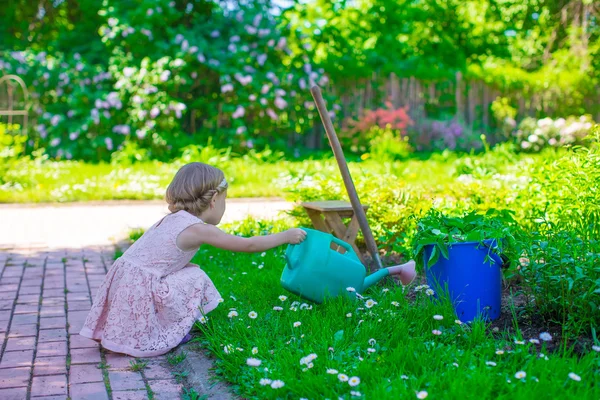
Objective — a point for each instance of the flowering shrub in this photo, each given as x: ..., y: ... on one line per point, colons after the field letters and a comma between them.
x: 165, y: 69
x: 534, y: 135
x: 364, y: 130
x: 441, y: 135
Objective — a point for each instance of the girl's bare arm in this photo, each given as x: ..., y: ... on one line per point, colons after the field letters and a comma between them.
x: 199, y: 234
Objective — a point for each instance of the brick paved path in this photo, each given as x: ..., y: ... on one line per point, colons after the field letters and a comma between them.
x: 44, y: 300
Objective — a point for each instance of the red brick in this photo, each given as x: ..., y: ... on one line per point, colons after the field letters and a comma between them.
x: 13, y: 394
x: 25, y: 319
x: 125, y: 380
x: 14, y: 377
x: 53, y: 322
x: 85, y: 356
x: 20, y: 343
x: 89, y: 391
x: 30, y: 290
x: 5, y: 315
x: 23, y: 330
x: 4, y: 326
x: 57, y: 283
x: 166, y: 389
x: 26, y: 309
x: 51, y: 349
x: 49, y: 365
x: 49, y: 385
x: 32, y: 281
x: 52, y: 335
x: 52, y: 311
x: 15, y: 359
x: 156, y: 371
x: 6, y: 305
x: 80, y: 342
x: 54, y: 301
x: 130, y: 395
x: 54, y: 293
x: 78, y: 297
x: 85, y: 373
x: 80, y: 305
x: 8, y: 295
x: 10, y: 280
x: 118, y: 361
x: 28, y: 299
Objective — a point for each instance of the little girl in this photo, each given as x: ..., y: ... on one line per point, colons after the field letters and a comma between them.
x: 152, y: 295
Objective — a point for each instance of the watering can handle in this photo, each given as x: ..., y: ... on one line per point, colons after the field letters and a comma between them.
x: 343, y: 244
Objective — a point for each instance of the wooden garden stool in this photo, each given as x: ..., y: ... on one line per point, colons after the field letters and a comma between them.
x: 326, y: 216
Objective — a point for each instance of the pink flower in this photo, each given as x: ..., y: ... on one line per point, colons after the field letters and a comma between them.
x: 164, y: 76
x: 261, y: 59
x: 280, y: 103
x: 239, y: 112
x: 272, y: 114
x: 228, y: 87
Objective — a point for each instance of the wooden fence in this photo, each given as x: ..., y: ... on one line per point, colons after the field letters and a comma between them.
x: 469, y: 101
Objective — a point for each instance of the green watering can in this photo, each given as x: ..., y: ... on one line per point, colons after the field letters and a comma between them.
x: 318, y: 268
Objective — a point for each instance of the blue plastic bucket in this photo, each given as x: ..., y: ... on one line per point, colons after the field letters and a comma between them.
x: 474, y: 284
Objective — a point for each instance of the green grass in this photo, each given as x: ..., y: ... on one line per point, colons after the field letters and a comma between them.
x: 408, y: 358
x: 68, y: 181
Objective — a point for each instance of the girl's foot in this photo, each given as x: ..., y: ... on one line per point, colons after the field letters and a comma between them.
x: 405, y: 272
x: 185, y: 339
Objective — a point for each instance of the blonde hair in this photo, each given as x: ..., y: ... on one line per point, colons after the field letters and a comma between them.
x: 193, y: 187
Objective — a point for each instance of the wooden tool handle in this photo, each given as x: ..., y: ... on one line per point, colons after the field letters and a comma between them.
x: 341, y: 160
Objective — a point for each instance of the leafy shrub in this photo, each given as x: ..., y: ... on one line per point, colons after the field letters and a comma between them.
x: 12, y: 145
x: 441, y: 231
x: 504, y: 116
x: 561, y: 275
x: 388, y: 145
x: 534, y: 135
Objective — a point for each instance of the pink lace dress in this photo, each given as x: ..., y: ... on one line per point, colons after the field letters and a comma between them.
x: 152, y: 295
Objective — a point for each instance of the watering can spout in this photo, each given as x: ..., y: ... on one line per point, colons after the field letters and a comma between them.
x: 375, y: 277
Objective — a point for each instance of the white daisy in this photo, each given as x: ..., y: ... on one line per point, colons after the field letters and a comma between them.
x: 370, y: 303
x: 490, y: 363
x: 255, y: 350
x: 277, y: 384
x: 297, y: 324
x: 253, y: 362
x: 232, y: 314
x: 252, y: 314
x: 332, y: 371
x: 372, y: 342
x: 283, y: 298
x: 354, y: 381
x: 545, y: 336
x: 265, y: 382
x: 574, y: 376
x: 520, y: 375
x: 422, y: 394
x: 438, y: 317
x: 343, y: 377
x: 350, y: 289
x: 277, y: 308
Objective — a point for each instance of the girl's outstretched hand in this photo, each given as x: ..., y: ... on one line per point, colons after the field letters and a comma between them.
x: 295, y: 235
